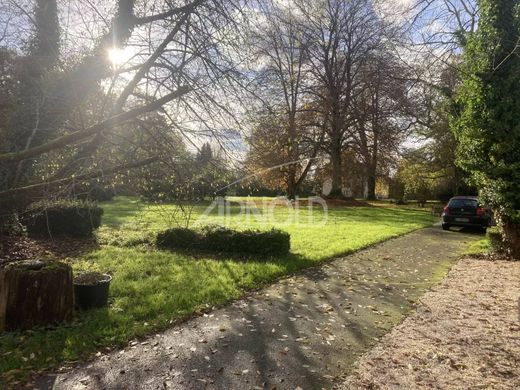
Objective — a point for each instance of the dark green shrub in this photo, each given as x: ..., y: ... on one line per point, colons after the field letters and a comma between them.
x: 96, y: 192
x: 63, y: 217
x: 178, y: 238
x: 268, y: 243
x: 445, y: 195
x: 220, y: 239
x: 217, y: 238
x: 255, y: 242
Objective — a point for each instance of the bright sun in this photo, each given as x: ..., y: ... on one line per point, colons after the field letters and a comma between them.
x: 119, y: 56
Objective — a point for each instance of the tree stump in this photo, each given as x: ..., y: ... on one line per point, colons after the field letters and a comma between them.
x: 35, y: 293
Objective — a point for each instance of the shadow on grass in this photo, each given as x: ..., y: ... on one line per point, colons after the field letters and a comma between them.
x: 201, y: 254
x: 117, y: 213
x: 289, y: 336
x: 140, y: 303
x: 122, y: 209
x: 152, y: 288
x: 45, y: 348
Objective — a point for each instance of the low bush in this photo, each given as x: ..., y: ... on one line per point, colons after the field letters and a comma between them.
x: 220, y: 239
x: 256, y: 242
x: 495, y: 239
x: 63, y: 217
x: 95, y: 192
x: 178, y: 238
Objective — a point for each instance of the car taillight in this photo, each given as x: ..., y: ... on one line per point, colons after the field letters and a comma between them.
x: 446, y: 210
x: 481, y: 211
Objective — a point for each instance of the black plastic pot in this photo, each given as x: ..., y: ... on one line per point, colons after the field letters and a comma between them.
x: 89, y: 296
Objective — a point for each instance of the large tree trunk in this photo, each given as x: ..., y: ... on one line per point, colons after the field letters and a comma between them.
x: 34, y: 293
x: 291, y: 185
x: 293, y: 156
x: 371, y: 184
x: 511, y: 232
x: 335, y: 157
x: 336, y: 147
x: 337, y: 185
x: 373, y: 158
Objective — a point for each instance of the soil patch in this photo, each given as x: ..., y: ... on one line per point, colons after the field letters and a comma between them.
x: 13, y: 248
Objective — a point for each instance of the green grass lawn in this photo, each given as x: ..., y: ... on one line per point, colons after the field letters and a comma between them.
x: 152, y: 289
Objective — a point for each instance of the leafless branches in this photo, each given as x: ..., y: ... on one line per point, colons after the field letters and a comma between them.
x: 181, y: 68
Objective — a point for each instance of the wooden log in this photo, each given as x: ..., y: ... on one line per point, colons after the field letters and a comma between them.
x: 35, y: 293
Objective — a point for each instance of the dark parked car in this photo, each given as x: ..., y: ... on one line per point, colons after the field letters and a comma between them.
x: 465, y: 211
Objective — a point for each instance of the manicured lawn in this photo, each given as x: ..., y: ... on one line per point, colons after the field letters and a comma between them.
x: 151, y: 288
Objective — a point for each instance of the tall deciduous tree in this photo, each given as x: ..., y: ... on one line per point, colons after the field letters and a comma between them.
x: 271, y: 155
x: 341, y: 34
x: 281, y: 46
x: 488, y: 122
x: 380, y: 105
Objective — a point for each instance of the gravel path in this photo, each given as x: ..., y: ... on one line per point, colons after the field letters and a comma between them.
x: 305, y: 331
x: 465, y: 335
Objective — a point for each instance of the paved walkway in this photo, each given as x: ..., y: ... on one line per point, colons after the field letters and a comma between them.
x: 305, y: 331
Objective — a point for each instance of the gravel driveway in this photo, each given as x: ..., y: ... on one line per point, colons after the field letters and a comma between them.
x: 464, y: 335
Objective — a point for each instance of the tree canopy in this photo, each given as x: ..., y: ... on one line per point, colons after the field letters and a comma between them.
x: 487, y: 121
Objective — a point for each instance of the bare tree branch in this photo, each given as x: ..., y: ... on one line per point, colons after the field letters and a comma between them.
x: 82, y: 134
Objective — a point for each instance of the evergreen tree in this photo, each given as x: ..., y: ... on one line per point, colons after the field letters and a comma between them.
x: 44, y: 48
x: 204, y: 155
x: 487, y: 122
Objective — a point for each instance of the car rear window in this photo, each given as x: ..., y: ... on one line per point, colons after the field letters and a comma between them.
x: 463, y: 203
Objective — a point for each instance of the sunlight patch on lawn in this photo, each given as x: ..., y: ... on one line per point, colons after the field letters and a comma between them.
x: 152, y: 288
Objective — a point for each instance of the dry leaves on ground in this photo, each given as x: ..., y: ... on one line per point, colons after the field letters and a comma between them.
x: 464, y: 335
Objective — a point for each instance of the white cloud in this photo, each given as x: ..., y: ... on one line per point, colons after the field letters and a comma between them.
x: 397, y: 11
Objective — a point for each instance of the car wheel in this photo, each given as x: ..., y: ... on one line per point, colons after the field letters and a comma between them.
x: 445, y: 227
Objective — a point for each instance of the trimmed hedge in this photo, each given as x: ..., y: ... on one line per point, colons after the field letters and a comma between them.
x: 63, y: 217
x: 179, y: 238
x: 220, y: 239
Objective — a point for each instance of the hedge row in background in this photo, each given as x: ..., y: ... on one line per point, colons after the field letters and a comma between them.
x: 95, y: 192
x: 63, y: 217
x: 220, y: 239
